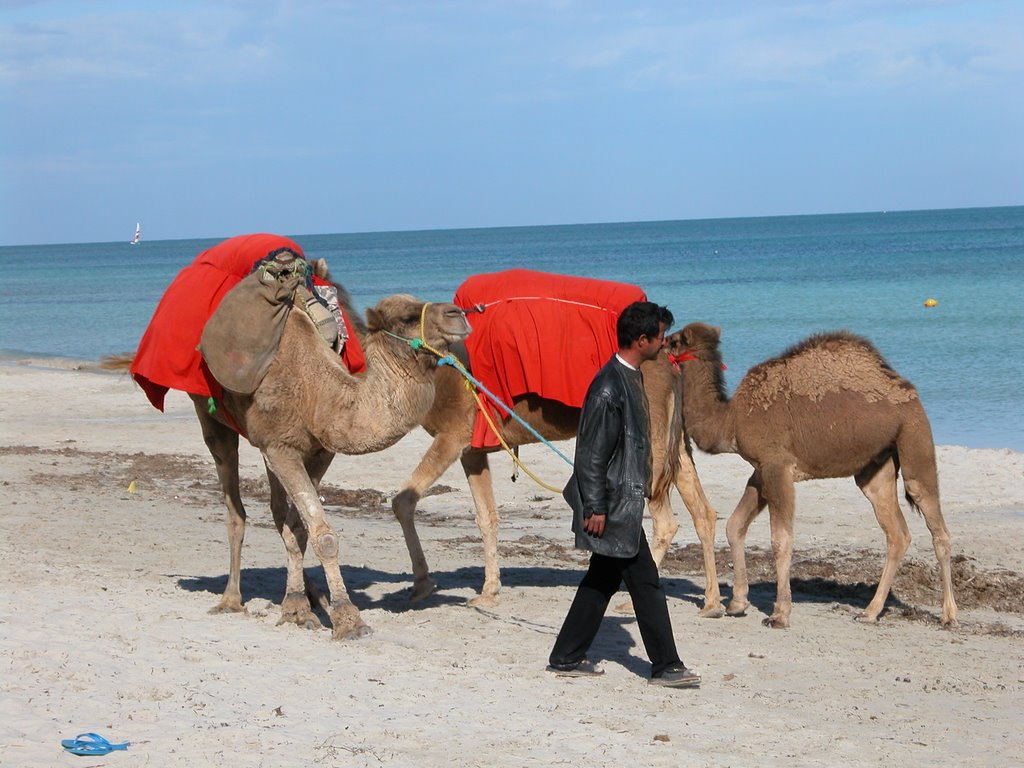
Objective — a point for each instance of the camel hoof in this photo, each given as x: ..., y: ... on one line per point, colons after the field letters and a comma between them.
x: 303, y: 621
x: 422, y: 590
x: 307, y: 623
x: 355, y: 633
x: 296, y: 609
x: 229, y: 607
x: 484, y: 601
x: 776, y: 622
x: 863, y: 618
x: 737, y: 609
x: 346, y: 623
x: 712, y: 611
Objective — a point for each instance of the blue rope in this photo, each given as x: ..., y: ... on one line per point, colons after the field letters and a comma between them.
x: 450, y: 360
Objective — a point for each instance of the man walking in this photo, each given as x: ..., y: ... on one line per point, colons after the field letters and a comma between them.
x: 608, y: 489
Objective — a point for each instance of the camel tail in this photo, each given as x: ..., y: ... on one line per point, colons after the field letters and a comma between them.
x: 670, y: 464
x: 117, y: 362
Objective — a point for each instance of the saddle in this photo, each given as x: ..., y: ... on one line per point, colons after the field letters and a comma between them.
x: 240, y: 339
x: 541, y: 333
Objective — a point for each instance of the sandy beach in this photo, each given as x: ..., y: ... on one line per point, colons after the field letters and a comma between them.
x: 114, y: 550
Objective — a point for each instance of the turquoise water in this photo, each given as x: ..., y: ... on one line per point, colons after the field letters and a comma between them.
x: 768, y: 282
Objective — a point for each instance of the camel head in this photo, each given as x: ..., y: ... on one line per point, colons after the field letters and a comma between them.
x: 697, y: 340
x: 418, y: 323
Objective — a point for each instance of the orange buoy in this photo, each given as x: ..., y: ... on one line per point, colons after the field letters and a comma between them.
x: 931, y: 303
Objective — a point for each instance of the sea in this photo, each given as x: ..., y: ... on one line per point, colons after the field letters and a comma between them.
x: 766, y: 282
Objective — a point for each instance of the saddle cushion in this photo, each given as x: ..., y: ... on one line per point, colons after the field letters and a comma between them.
x: 241, y: 338
x: 539, y: 333
x: 167, y: 356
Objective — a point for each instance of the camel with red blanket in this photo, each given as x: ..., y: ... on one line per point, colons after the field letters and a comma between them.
x: 275, y: 376
x: 538, y: 339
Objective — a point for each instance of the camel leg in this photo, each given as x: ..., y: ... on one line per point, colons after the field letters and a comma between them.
x: 288, y: 466
x: 661, y: 399
x: 705, y: 519
x: 664, y: 530
x: 316, y: 468
x: 478, y: 473
x: 442, y: 454
x: 295, y: 606
x: 222, y: 442
x: 750, y: 505
x: 780, y: 491
x: 878, y: 484
x: 928, y: 502
x: 664, y: 526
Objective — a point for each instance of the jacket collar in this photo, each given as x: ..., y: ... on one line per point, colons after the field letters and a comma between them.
x: 631, y: 367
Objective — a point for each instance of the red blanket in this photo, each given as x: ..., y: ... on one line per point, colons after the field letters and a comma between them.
x: 167, y: 357
x: 541, y: 333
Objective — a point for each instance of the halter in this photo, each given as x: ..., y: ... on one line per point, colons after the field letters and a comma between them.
x: 685, y: 356
x: 421, y: 341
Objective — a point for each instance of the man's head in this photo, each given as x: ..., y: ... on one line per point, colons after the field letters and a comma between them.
x: 641, y: 329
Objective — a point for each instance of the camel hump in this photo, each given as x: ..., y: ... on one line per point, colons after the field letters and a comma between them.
x: 834, y: 341
x: 827, y: 363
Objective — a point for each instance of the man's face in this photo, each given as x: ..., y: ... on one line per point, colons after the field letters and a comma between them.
x: 651, y: 348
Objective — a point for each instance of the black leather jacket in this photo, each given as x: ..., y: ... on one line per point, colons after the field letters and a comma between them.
x: 612, y: 468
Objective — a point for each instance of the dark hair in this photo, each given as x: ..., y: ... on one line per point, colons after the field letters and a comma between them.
x: 641, y: 318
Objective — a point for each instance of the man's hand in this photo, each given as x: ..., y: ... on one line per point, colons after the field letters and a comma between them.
x: 594, y: 525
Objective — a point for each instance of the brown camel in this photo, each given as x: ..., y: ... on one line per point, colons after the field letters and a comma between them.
x: 307, y: 408
x: 450, y: 422
x: 828, y: 407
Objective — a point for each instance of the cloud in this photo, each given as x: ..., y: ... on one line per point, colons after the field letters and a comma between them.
x: 209, y: 44
x: 862, y: 45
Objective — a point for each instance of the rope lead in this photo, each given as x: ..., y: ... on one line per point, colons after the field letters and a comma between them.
x: 475, y: 386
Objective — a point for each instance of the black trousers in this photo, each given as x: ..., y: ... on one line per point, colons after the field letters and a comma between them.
x: 602, y: 580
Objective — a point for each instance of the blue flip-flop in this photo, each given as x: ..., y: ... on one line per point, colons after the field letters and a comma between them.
x: 91, y: 744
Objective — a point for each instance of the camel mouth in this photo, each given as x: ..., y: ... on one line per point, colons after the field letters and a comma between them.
x: 453, y: 327
x: 456, y: 316
x: 454, y: 337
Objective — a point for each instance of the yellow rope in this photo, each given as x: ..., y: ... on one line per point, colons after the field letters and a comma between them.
x: 480, y: 405
x: 515, y: 459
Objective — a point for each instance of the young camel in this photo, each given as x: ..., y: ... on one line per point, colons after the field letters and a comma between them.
x: 307, y: 408
x: 450, y: 422
x: 828, y: 407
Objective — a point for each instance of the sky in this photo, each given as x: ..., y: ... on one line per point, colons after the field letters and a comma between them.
x: 220, y: 117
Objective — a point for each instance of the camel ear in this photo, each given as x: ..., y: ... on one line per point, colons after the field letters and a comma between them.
x: 320, y: 269
x: 374, y: 320
x: 716, y: 331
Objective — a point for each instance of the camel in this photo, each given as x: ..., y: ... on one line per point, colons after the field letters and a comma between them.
x: 307, y: 408
x: 450, y: 422
x: 830, y: 406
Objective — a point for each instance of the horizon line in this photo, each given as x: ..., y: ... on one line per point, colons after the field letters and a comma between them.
x: 536, y: 226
